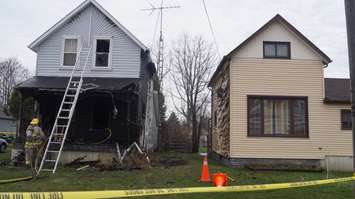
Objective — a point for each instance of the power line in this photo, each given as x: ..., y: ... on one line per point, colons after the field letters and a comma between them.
x: 211, y: 28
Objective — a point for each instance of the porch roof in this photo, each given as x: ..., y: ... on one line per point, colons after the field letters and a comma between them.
x: 60, y: 83
x: 337, y: 90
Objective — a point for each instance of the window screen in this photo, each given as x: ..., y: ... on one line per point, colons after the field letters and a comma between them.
x: 102, y: 53
x: 70, y: 52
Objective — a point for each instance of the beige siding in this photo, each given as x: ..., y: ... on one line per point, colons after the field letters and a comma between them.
x: 278, y: 32
x: 253, y: 76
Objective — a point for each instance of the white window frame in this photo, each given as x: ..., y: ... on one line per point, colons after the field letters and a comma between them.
x: 109, y: 67
x: 62, y: 50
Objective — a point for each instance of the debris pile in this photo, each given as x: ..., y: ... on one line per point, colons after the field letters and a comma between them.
x: 131, y: 158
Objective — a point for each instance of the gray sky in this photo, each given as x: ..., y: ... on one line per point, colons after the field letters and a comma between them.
x: 322, y: 21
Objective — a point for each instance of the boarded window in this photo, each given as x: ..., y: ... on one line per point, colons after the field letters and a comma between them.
x: 102, y: 53
x: 70, y: 52
x: 277, y: 116
x: 346, y: 123
x: 276, y: 50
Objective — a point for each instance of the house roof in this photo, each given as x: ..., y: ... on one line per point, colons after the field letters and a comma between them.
x: 276, y: 18
x: 337, y: 90
x: 82, y: 6
x: 60, y: 83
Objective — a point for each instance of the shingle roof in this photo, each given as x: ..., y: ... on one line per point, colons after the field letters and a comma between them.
x: 337, y: 90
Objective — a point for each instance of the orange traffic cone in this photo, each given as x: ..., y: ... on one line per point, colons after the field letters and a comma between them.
x: 205, y: 175
x: 220, y: 179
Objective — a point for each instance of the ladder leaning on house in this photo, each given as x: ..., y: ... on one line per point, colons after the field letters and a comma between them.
x: 65, y: 113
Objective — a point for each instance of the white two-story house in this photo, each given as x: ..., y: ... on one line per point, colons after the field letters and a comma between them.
x: 112, y: 107
x: 273, y: 108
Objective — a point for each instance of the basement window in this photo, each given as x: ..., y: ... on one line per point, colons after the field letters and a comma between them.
x: 346, y: 123
x: 276, y: 50
x: 70, y: 52
x: 102, y: 53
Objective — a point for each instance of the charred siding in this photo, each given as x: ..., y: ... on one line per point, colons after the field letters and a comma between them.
x: 220, y: 119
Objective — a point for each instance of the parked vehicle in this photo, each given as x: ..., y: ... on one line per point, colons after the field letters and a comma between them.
x: 9, y: 138
x: 3, y: 145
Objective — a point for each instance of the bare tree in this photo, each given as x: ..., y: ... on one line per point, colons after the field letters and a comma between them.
x: 11, y: 73
x: 192, y: 60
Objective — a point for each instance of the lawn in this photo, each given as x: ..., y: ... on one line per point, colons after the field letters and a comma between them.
x: 68, y: 179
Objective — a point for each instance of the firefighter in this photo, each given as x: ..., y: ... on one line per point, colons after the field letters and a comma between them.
x: 34, y: 140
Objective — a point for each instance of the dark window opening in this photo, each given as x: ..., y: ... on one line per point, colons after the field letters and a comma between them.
x: 276, y: 116
x: 102, y: 53
x: 280, y: 50
x: 100, y: 116
x: 346, y: 123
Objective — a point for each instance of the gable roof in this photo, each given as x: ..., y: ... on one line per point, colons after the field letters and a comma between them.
x: 276, y: 18
x: 77, y: 10
x: 337, y: 90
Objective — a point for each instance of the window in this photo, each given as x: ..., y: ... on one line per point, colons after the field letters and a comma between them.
x: 102, y: 54
x: 276, y: 116
x: 346, y: 123
x: 279, y: 50
x: 70, y: 52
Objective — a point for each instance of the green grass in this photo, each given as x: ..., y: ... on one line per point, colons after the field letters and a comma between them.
x: 67, y: 179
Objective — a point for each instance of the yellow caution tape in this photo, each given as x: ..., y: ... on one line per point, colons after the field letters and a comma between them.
x: 7, y: 133
x: 154, y: 192
x: 15, y: 180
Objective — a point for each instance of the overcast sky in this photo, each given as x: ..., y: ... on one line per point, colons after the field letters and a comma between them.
x: 322, y: 21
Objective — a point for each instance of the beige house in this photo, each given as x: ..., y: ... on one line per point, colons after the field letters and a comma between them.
x: 273, y: 108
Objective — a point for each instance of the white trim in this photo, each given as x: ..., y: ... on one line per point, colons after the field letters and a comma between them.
x: 109, y: 67
x: 34, y: 45
x: 62, y: 49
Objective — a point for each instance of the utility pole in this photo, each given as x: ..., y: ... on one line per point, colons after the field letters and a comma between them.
x: 160, y: 59
x: 350, y: 24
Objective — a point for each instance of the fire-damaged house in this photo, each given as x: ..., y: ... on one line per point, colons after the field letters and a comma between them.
x: 116, y: 101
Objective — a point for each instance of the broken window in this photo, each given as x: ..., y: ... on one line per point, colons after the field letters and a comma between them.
x: 102, y: 53
x: 70, y: 52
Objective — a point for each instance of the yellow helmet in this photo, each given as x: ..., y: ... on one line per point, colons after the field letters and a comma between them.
x: 35, y: 121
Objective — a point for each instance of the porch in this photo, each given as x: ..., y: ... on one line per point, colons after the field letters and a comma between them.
x: 108, y: 111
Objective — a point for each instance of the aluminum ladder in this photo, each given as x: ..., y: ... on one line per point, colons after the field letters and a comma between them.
x: 64, y: 116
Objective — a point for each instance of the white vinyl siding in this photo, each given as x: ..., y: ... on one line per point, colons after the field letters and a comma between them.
x: 125, y: 53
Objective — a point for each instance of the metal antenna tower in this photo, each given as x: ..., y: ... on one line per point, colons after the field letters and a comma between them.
x: 160, y: 58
